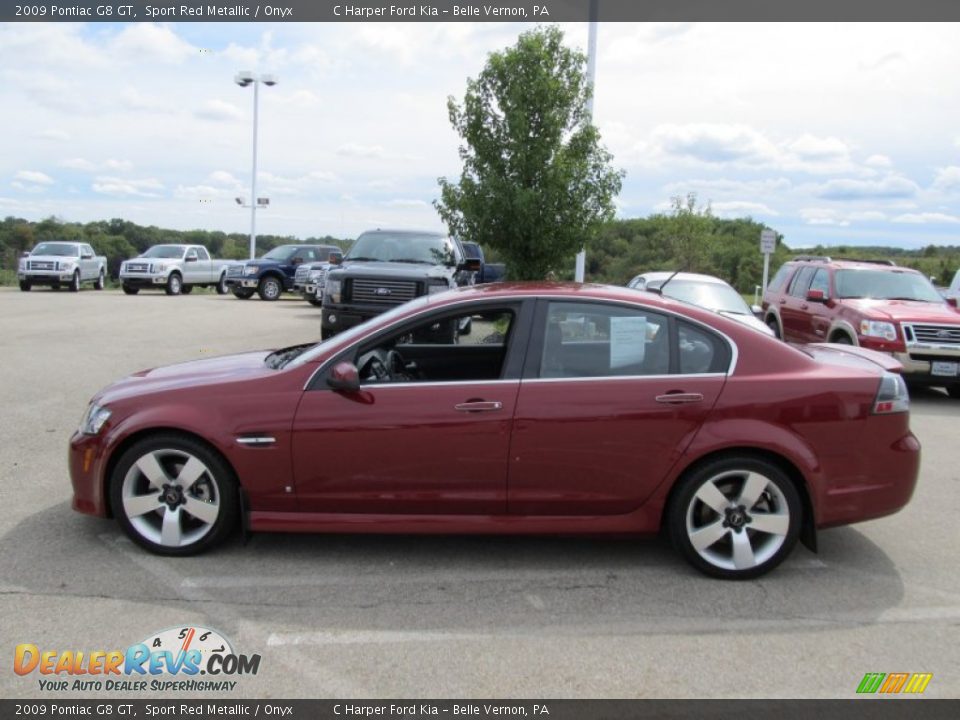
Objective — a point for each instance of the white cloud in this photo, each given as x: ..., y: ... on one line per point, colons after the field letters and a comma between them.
x: 201, y: 192
x: 34, y: 176
x: 124, y: 187
x: 222, y: 177
x: 740, y: 208
x: 88, y: 166
x: 878, y: 161
x: 948, y: 178
x: 219, y: 110
x: 147, y: 42
x: 407, y: 203
x: 361, y: 151
x: 810, y: 147
x: 715, y: 143
x: 52, y: 134
x: 926, y: 218
x: 891, y: 187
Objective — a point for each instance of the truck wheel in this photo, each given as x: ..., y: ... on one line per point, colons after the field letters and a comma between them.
x: 953, y: 391
x: 174, y: 284
x: 242, y: 293
x: 222, y: 285
x: 186, y: 289
x: 25, y: 285
x: 101, y: 281
x: 270, y: 289
x: 130, y: 290
x: 75, y: 282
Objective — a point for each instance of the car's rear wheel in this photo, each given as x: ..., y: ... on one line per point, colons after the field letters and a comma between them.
x: 174, y: 284
x: 270, y: 289
x: 25, y: 285
x: 775, y: 326
x: 75, y: 282
x: 735, y: 518
x: 186, y: 289
x: 101, y: 281
x: 222, y: 285
x: 130, y: 290
x: 173, y: 495
x: 242, y: 293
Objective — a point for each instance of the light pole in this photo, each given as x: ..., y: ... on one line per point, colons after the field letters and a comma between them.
x: 579, y: 271
x: 243, y: 79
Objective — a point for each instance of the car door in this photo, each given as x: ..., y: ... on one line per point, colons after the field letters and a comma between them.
x: 88, y: 263
x: 205, y: 272
x: 611, y: 396
x: 818, y: 314
x: 436, y: 443
x: 191, y: 270
x: 793, y: 316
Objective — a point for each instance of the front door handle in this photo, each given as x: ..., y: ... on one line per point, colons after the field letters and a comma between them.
x: 472, y: 406
x: 679, y: 398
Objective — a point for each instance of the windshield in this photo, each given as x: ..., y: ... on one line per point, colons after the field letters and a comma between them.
x: 885, y: 285
x: 427, y: 248
x: 57, y: 249
x: 282, y: 253
x: 713, y: 296
x: 164, y: 251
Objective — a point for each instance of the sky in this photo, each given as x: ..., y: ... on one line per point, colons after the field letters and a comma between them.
x: 829, y: 133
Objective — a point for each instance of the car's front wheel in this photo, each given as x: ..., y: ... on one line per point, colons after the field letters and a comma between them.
x: 75, y: 282
x: 173, y: 495
x: 129, y: 289
x: 735, y: 518
x: 222, y: 285
x: 25, y: 285
x: 242, y: 293
x: 174, y: 284
x: 270, y: 289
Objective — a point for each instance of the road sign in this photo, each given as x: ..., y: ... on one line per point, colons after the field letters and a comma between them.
x: 768, y: 242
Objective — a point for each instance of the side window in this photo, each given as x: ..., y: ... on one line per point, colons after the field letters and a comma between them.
x: 86, y: 250
x: 821, y: 282
x: 780, y: 279
x: 701, y: 351
x: 599, y: 340
x: 202, y: 253
x: 191, y: 254
x: 801, y: 281
x: 309, y: 254
x: 465, y: 347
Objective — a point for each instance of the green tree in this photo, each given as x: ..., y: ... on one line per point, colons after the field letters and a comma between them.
x: 687, y: 233
x: 536, y: 183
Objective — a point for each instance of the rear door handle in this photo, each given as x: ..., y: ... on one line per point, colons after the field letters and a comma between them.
x: 472, y: 406
x: 679, y: 398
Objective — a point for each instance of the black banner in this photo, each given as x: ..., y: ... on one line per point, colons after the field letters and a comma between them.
x: 473, y: 11
x: 865, y: 709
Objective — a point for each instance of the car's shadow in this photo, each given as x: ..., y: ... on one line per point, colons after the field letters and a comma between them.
x: 934, y: 401
x: 440, y: 582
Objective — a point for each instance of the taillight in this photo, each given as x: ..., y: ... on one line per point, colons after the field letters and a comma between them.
x: 892, y: 397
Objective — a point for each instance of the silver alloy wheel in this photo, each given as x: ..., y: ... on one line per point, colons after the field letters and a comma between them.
x: 271, y: 289
x: 737, y: 520
x: 170, y: 497
x: 101, y: 281
x: 174, y: 285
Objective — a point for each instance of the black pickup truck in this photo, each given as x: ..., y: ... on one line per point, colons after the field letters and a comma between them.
x: 386, y: 268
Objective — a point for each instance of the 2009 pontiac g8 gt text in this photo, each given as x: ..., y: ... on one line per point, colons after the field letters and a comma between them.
x: 568, y: 409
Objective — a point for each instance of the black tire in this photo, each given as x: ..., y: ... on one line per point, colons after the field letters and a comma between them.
x: 222, y: 288
x: 841, y: 339
x: 55, y: 286
x: 186, y: 289
x: 101, y: 281
x: 775, y: 326
x: 242, y: 293
x: 314, y: 300
x: 174, y: 284
x: 734, y: 538
x: 953, y: 391
x: 130, y: 290
x: 270, y: 288
x: 216, y: 486
x: 25, y: 285
x: 74, y: 285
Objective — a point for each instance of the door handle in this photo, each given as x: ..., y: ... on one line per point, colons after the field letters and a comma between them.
x: 472, y: 406
x: 679, y: 398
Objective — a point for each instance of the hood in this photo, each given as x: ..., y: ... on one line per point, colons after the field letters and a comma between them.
x: 904, y: 310
x: 194, y: 373
x: 851, y: 356
x: 400, y: 271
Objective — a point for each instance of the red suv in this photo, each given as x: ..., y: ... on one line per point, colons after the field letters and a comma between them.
x: 874, y: 304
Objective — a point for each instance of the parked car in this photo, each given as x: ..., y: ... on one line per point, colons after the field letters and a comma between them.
x: 62, y: 263
x: 310, y: 279
x: 875, y: 305
x: 386, y: 268
x: 175, y: 269
x: 273, y: 274
x: 706, y: 291
x: 488, y: 272
x: 578, y: 409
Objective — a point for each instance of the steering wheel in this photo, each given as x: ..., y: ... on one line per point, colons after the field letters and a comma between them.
x: 373, y: 366
x: 395, y: 363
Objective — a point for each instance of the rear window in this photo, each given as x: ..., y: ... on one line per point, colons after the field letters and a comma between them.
x: 780, y: 279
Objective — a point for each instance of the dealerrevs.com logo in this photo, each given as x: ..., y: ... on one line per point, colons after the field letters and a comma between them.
x: 187, y: 659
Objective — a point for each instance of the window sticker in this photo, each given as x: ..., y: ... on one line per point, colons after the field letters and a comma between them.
x: 628, y: 341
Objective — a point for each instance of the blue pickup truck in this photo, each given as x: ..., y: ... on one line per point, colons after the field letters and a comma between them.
x: 488, y: 272
x: 269, y: 276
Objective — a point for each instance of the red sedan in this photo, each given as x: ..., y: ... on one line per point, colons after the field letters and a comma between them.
x: 566, y: 409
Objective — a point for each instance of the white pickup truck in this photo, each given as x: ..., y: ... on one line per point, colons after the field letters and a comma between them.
x: 174, y: 268
x: 59, y: 263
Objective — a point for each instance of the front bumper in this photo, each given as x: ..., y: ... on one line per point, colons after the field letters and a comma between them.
x: 45, y: 278
x: 140, y: 280
x: 243, y: 282
x: 930, y: 368
x: 86, y: 459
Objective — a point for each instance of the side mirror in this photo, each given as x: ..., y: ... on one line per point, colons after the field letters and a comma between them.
x: 344, y: 376
x: 816, y: 296
x: 296, y: 261
x: 190, y: 258
x: 952, y: 302
x: 336, y: 259
x: 472, y: 265
x: 25, y: 253
x: 86, y: 256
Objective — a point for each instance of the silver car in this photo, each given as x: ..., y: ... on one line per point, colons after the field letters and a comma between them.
x: 706, y: 291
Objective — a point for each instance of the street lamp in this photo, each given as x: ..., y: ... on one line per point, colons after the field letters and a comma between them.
x: 243, y: 79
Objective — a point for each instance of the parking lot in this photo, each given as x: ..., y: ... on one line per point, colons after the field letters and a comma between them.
x: 365, y: 616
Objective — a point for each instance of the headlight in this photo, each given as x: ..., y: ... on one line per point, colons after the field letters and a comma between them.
x: 160, y: 267
x: 250, y: 269
x: 874, y: 328
x: 93, y: 419
x: 66, y: 264
x: 433, y: 289
x: 333, y: 290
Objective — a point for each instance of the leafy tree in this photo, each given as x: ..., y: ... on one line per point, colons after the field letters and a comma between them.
x: 536, y: 183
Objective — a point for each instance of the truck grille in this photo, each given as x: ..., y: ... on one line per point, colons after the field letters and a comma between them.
x: 383, y: 292
x: 138, y: 267
x: 932, y: 334
x: 303, y: 272
x: 41, y: 265
x: 235, y: 271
